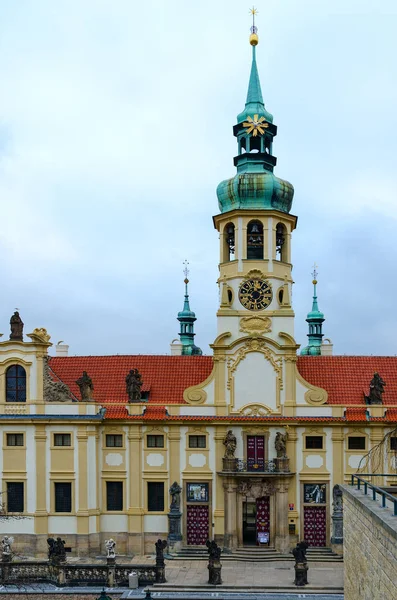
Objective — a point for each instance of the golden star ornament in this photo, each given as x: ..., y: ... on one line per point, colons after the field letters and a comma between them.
x: 255, y: 125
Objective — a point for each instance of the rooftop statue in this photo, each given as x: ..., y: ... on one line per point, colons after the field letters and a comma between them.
x: 86, y: 387
x: 376, y: 389
x: 133, y: 385
x: 16, y: 327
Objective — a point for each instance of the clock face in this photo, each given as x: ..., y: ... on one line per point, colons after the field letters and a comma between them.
x: 255, y: 294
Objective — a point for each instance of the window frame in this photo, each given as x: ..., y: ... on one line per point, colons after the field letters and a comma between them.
x: 394, y: 439
x: 108, y: 495
x: 156, y: 437
x: 119, y: 436
x: 318, y: 436
x: 19, y: 390
x: 64, y: 483
x: 358, y: 437
x: 9, y: 434
x: 153, y: 505
x: 19, y: 483
x: 63, y: 434
x: 197, y: 436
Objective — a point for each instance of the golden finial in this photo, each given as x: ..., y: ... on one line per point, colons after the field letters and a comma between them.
x: 254, y: 40
x: 186, y: 271
x: 314, y: 274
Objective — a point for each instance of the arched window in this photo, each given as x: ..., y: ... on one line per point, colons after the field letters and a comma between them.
x: 15, y: 384
x: 281, y: 246
x: 229, y: 242
x: 255, y: 240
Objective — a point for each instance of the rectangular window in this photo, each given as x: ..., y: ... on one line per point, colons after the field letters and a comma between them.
x: 155, y: 441
x: 114, y: 495
x: 63, y: 497
x: 114, y: 441
x: 356, y: 443
x: 314, y: 442
x: 197, y: 441
x: 14, y: 439
x: 15, y: 499
x: 62, y: 439
x: 393, y: 443
x: 155, y: 495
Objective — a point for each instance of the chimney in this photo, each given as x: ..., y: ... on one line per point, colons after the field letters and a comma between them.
x: 176, y: 348
x: 327, y: 347
x: 61, y: 349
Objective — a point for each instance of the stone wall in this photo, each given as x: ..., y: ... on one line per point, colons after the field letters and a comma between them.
x: 370, y: 547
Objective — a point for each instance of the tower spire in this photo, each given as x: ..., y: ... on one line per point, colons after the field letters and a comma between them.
x: 186, y: 319
x: 315, y: 318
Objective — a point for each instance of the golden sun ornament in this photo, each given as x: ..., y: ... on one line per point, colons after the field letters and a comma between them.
x: 256, y: 125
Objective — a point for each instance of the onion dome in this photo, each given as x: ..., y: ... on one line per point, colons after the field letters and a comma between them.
x: 186, y: 318
x: 315, y: 318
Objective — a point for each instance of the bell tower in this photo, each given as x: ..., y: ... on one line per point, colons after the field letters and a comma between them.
x: 255, y: 225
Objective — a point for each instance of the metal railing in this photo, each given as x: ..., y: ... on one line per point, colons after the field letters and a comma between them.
x: 262, y: 466
x: 362, y: 483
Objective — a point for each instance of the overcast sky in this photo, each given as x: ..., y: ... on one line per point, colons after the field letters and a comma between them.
x: 116, y: 124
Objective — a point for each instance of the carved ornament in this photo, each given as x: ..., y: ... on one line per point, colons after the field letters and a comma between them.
x: 39, y: 336
x: 196, y: 394
x: 255, y: 274
x: 255, y: 325
x: 256, y: 489
x: 54, y: 391
x: 255, y: 410
x: 314, y: 395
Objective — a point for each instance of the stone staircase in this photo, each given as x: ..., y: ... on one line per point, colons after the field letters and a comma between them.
x: 255, y: 554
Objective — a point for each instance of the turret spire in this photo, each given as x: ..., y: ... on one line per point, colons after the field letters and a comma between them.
x: 187, y: 318
x: 315, y: 318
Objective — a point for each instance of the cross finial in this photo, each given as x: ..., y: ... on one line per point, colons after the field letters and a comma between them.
x: 253, y: 12
x: 186, y: 270
x: 314, y: 273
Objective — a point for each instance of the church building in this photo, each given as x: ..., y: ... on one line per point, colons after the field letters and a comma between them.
x: 243, y: 445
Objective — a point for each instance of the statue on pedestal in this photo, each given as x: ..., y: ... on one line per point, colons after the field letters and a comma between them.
x: 175, y: 492
x: 6, y: 548
x: 110, y: 546
x: 301, y: 567
x: 230, y: 443
x: 56, y: 550
x: 376, y: 390
x: 280, y: 444
x: 133, y: 385
x: 16, y: 325
x: 86, y: 387
x: 214, y: 563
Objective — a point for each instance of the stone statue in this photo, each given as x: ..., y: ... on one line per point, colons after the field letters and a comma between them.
x: 110, y: 546
x: 56, y: 550
x: 6, y: 548
x: 16, y: 327
x: 160, y: 547
x: 376, y: 389
x: 300, y: 551
x: 54, y: 391
x: 175, y: 491
x: 281, y: 444
x: 86, y: 387
x: 214, y: 563
x: 337, y: 498
x: 301, y: 567
x: 133, y: 385
x: 230, y: 444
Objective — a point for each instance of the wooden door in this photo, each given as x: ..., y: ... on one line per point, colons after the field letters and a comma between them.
x: 255, y: 453
x: 197, y: 525
x: 315, y: 525
x: 263, y: 519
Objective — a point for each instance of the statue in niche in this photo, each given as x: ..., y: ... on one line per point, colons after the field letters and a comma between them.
x: 376, y: 389
x: 133, y: 385
x: 280, y: 444
x: 230, y: 444
x: 16, y: 325
x: 86, y: 387
x: 175, y: 491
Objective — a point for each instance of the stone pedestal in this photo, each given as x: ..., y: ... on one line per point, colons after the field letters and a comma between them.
x: 214, y: 573
x: 282, y: 543
x: 174, y: 530
x: 282, y: 464
x: 229, y: 464
x: 301, y: 570
x: 230, y: 535
x: 337, y: 533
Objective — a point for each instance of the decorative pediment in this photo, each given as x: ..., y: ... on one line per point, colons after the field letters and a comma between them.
x: 54, y: 391
x: 255, y: 410
x: 39, y: 336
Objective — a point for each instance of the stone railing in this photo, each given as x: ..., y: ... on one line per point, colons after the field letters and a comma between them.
x: 25, y: 573
x: 237, y: 465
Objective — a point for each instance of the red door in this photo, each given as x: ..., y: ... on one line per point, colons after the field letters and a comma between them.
x: 197, y: 525
x: 255, y: 453
x: 263, y: 520
x: 315, y: 525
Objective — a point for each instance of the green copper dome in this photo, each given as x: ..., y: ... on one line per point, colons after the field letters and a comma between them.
x: 315, y: 318
x: 186, y: 318
x: 255, y: 186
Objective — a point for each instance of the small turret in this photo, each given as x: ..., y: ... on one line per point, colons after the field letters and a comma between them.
x: 186, y: 318
x: 315, y: 318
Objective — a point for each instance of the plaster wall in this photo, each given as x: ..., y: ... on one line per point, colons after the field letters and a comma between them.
x: 62, y: 525
x: 155, y: 523
x: 254, y: 382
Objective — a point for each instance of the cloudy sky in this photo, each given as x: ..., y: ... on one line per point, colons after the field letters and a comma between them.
x: 116, y: 127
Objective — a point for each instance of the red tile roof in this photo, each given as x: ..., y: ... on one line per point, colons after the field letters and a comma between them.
x: 165, y: 377
x: 347, y: 378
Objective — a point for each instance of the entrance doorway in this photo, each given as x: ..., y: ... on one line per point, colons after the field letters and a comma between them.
x: 197, y: 525
x: 315, y: 525
x: 256, y: 522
